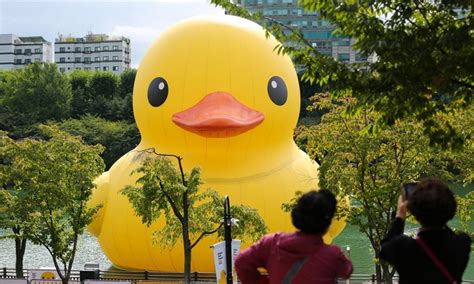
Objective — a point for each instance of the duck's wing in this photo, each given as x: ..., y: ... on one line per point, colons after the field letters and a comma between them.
x: 99, y: 198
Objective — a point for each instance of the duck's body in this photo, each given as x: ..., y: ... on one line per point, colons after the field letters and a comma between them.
x: 213, y: 91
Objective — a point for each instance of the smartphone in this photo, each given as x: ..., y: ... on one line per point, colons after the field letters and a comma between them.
x: 408, y: 189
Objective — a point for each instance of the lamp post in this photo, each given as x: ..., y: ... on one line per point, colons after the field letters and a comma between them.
x: 348, y: 250
x: 228, y: 240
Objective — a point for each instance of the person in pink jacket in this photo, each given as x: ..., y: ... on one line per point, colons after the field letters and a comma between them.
x: 299, y: 257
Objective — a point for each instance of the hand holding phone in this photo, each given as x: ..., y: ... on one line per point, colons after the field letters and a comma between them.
x: 408, y: 189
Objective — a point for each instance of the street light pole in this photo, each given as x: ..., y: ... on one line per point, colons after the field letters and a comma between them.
x: 228, y: 240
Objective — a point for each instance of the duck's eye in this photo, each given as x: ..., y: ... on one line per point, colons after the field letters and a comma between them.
x: 157, y: 91
x: 277, y: 90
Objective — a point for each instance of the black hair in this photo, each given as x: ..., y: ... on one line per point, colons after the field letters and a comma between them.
x: 313, y: 211
x: 432, y: 203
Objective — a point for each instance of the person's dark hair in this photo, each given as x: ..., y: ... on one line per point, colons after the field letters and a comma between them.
x: 432, y: 203
x: 313, y: 211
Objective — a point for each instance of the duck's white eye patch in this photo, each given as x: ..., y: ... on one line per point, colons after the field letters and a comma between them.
x: 277, y: 90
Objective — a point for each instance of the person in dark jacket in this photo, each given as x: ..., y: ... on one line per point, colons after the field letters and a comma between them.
x: 300, y: 257
x: 432, y: 204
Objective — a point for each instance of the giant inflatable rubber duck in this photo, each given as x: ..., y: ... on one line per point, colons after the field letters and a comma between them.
x: 214, y: 91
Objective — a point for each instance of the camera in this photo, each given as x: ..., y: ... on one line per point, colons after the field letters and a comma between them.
x: 408, y: 189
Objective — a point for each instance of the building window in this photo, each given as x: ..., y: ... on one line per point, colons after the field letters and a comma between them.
x: 87, y: 60
x: 78, y: 49
x: 62, y: 69
x: 87, y: 49
x: 17, y: 51
x: 62, y: 59
x: 105, y: 58
x: 27, y: 61
x: 115, y: 68
x: 115, y: 47
x: 105, y: 48
x: 344, y: 57
x: 97, y: 48
x: 17, y: 61
x: 97, y: 69
x: 360, y: 57
x: 78, y: 68
x: 37, y: 59
x: 28, y: 51
x: 115, y: 58
x: 105, y: 68
x: 97, y: 59
x: 87, y: 68
x: 62, y: 49
x: 77, y: 59
x: 37, y: 50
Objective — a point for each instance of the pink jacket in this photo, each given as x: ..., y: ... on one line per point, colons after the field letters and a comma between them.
x: 277, y: 253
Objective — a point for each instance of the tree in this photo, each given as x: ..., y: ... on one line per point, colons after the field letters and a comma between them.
x: 16, y: 212
x: 424, y: 57
x: 127, y: 80
x: 34, y: 95
x: 371, y: 169
x: 190, y: 213
x: 55, y: 180
x: 118, y: 137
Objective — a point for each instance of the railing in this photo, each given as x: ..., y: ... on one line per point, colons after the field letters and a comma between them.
x: 148, y: 277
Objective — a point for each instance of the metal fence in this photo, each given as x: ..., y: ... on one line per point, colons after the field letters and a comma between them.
x: 147, y: 277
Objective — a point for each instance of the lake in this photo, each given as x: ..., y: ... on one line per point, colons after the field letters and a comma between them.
x: 90, y: 252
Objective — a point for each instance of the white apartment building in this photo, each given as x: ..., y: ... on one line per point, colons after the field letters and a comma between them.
x: 95, y: 52
x: 16, y: 51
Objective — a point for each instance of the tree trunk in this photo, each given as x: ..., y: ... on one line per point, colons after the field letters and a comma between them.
x: 20, y: 246
x: 387, y: 276
x: 378, y: 274
x: 186, y: 241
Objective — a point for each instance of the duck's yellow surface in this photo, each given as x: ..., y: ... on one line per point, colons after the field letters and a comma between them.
x: 203, y: 64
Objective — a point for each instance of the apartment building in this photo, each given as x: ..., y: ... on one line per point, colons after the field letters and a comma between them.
x: 316, y: 30
x: 16, y: 51
x: 92, y: 52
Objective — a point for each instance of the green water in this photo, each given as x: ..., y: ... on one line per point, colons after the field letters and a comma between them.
x: 362, y: 255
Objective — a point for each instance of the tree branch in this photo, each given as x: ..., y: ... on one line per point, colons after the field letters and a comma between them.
x: 171, y: 202
x: 205, y: 234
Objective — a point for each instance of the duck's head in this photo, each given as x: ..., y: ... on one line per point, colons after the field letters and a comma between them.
x: 213, y: 86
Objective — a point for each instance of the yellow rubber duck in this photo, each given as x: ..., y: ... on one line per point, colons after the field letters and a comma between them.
x: 214, y: 91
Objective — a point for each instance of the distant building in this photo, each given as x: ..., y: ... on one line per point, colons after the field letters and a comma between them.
x: 16, y: 51
x: 316, y: 30
x: 92, y: 52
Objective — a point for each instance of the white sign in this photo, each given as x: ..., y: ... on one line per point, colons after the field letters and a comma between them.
x: 219, y: 258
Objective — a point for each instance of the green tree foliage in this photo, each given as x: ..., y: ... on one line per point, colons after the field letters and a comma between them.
x: 424, y: 58
x: 190, y: 212
x: 371, y: 169
x: 102, y: 94
x: 16, y: 212
x: 53, y: 180
x: 118, y: 137
x: 33, y: 95
x: 127, y: 80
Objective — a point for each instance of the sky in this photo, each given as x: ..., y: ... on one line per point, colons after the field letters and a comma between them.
x: 141, y: 21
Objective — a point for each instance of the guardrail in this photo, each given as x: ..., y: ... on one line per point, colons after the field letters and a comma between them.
x: 8, y: 276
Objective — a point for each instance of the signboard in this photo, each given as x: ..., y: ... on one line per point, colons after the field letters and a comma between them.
x: 219, y: 257
x: 46, y: 273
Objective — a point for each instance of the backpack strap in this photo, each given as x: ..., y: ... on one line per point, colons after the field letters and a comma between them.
x: 294, y: 269
x: 435, y: 260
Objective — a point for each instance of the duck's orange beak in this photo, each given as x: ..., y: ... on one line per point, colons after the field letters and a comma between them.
x: 218, y: 115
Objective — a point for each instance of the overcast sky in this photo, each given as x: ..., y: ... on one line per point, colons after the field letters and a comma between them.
x: 141, y: 21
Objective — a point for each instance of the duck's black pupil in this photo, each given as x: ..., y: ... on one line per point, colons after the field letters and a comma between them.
x: 157, y: 91
x: 277, y: 90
